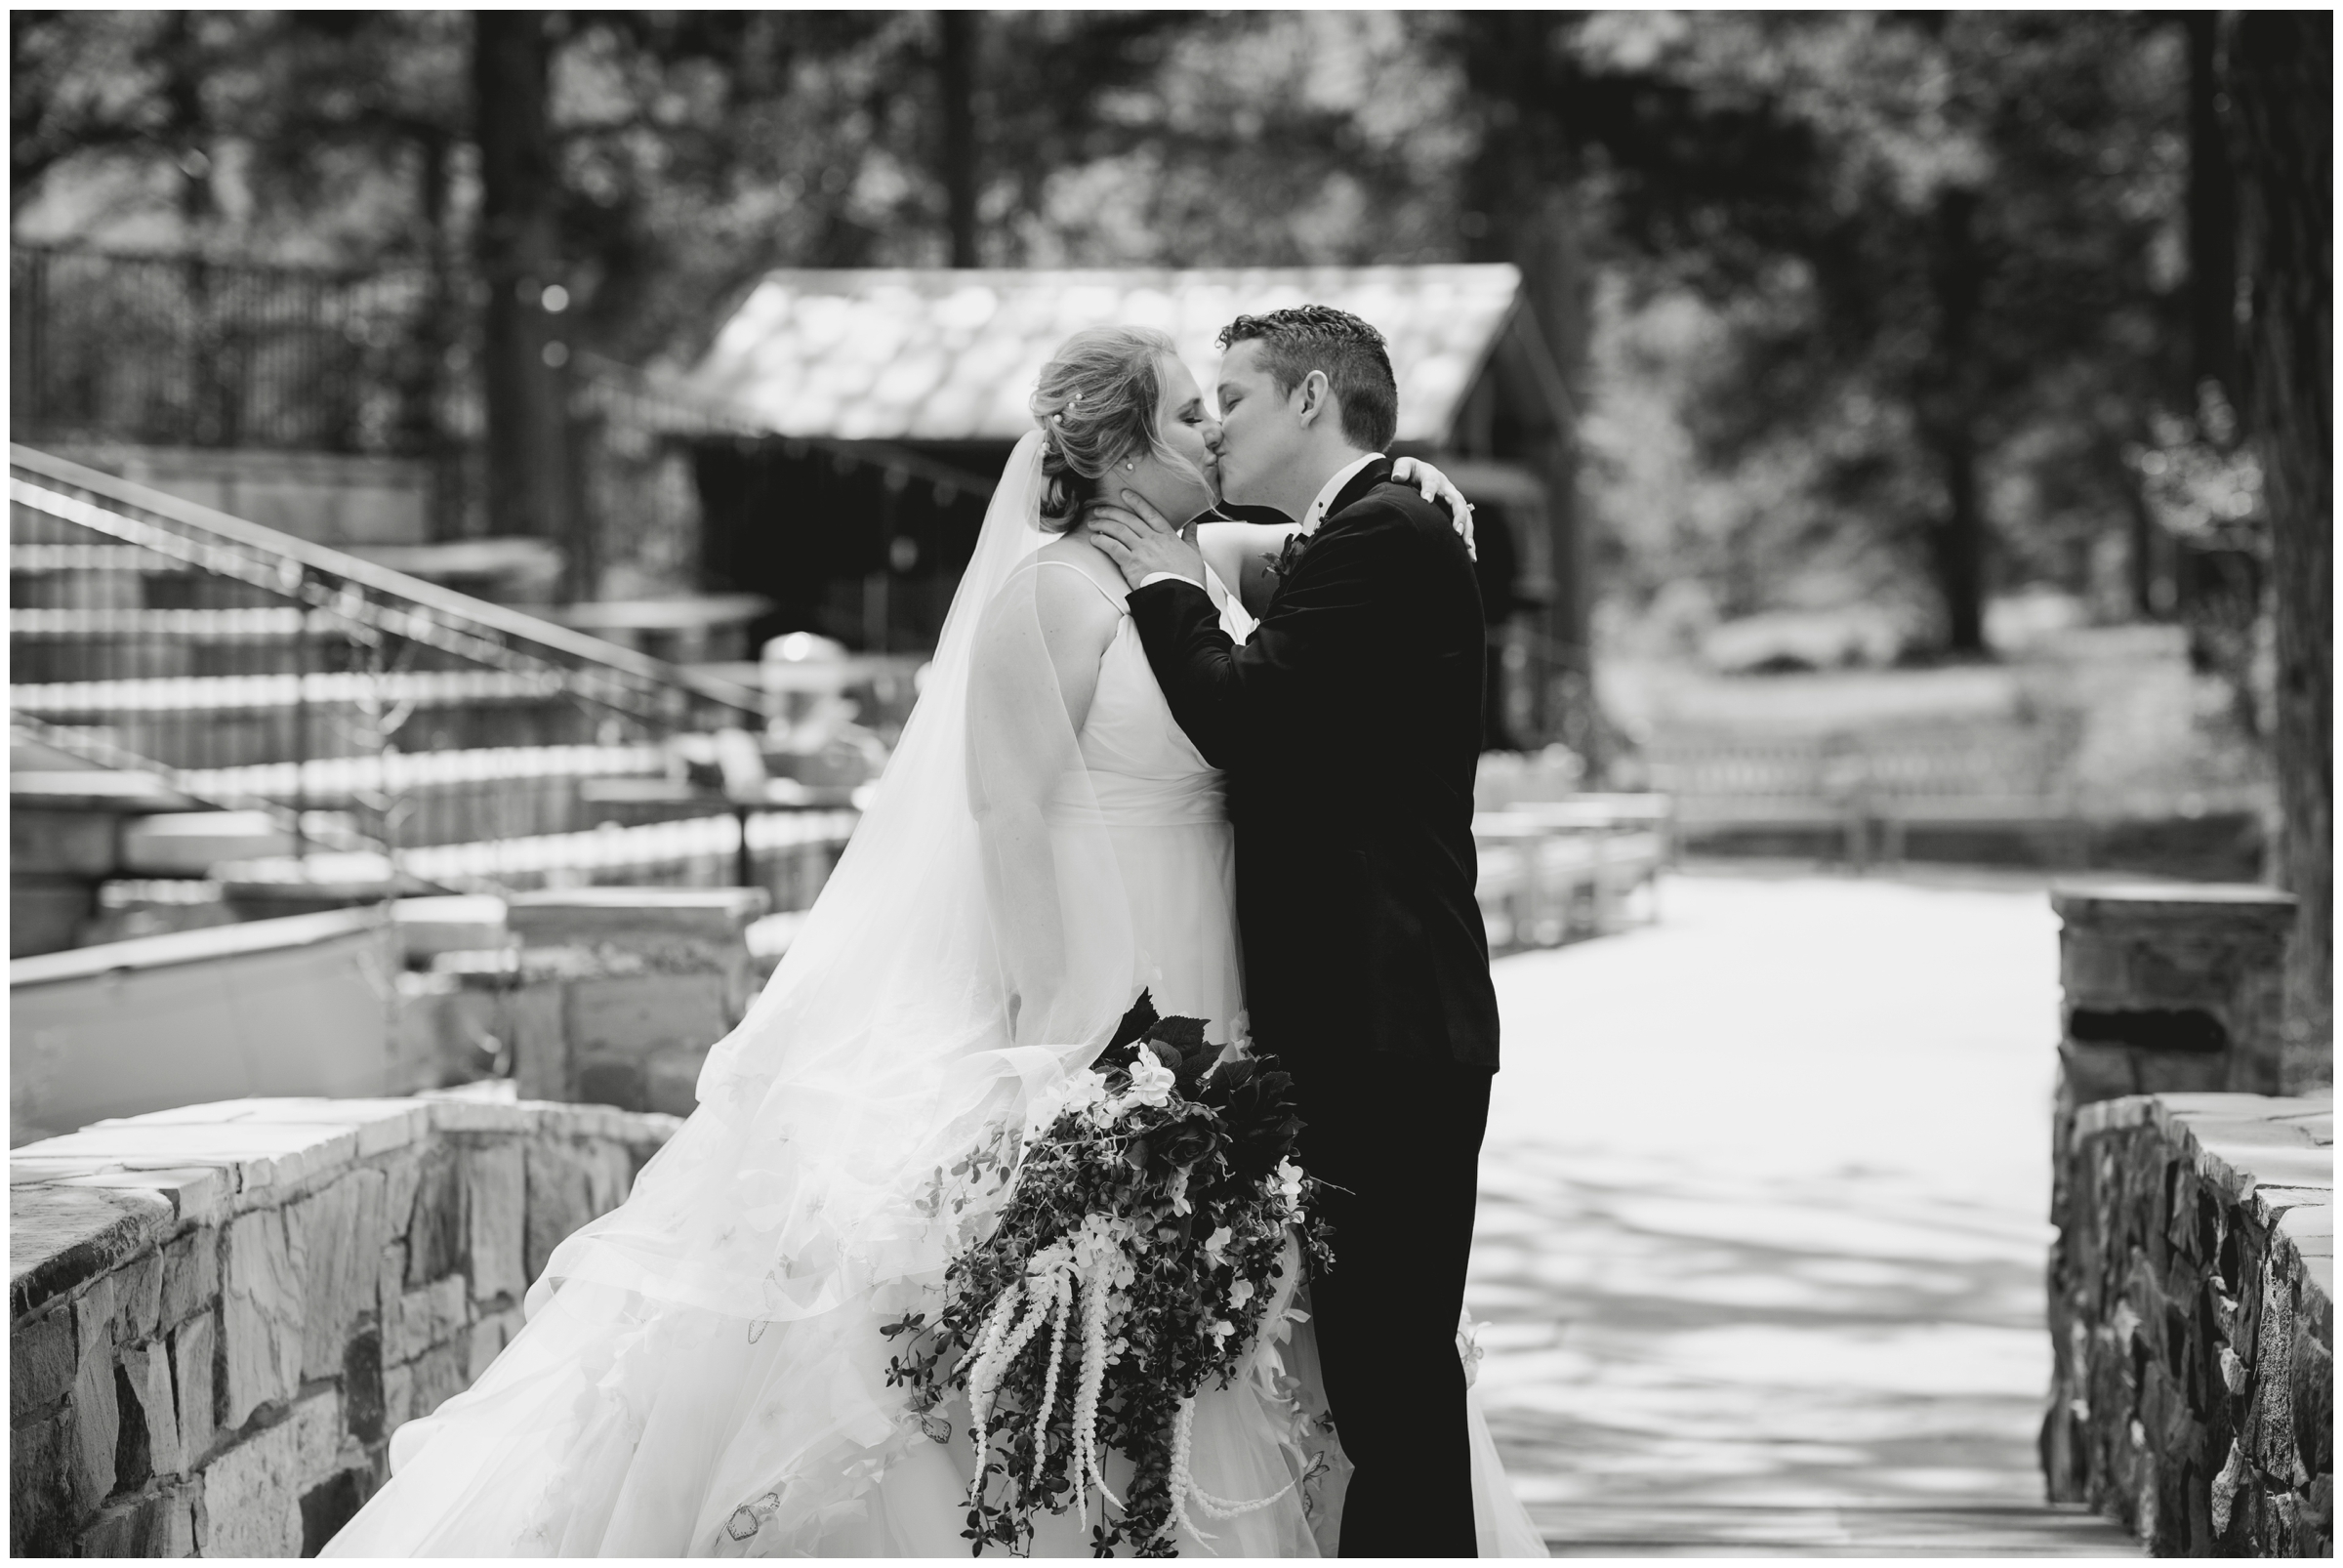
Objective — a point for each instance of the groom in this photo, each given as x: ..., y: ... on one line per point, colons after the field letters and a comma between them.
x: 1349, y: 729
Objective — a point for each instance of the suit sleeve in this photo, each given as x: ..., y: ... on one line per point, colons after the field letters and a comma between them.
x: 1327, y: 626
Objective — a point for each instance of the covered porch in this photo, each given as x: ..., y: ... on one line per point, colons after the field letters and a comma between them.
x: 866, y: 414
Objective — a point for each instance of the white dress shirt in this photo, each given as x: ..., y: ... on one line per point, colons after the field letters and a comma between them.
x: 1310, y: 519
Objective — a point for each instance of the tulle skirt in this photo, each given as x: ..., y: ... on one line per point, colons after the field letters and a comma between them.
x: 632, y: 1419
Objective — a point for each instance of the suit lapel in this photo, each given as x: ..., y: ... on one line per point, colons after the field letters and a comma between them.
x: 1367, y: 478
x: 1354, y: 492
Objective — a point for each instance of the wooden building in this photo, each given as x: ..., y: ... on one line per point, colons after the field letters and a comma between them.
x: 860, y: 418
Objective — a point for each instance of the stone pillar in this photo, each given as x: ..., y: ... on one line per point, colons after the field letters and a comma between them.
x: 2170, y: 988
x: 649, y: 978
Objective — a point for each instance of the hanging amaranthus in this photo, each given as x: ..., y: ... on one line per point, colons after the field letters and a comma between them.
x: 1130, y: 1263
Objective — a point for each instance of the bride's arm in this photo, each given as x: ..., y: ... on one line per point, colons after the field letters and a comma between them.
x: 1438, y: 487
x: 1240, y: 554
x: 1033, y: 678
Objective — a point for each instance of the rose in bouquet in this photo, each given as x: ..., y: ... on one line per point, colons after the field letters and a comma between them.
x: 1131, y: 1262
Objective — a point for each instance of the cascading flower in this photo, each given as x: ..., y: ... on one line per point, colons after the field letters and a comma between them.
x: 1130, y: 1261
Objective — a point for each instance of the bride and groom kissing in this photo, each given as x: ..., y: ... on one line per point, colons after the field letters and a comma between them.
x: 1227, y: 763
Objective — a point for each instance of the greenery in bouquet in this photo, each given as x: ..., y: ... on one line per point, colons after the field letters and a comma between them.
x: 1130, y: 1263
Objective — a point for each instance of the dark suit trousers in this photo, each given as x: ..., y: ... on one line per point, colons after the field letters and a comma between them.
x: 1404, y: 1138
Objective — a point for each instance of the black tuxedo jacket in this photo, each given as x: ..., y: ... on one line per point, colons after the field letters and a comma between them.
x: 1349, y: 728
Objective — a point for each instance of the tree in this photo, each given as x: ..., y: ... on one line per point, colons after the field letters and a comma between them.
x: 109, y: 83
x: 2212, y: 216
x: 520, y: 258
x: 956, y: 87
x: 2281, y: 89
x: 1939, y: 243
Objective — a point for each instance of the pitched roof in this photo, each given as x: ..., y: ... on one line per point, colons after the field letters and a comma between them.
x: 938, y: 354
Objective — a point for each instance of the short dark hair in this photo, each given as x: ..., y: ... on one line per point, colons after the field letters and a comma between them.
x: 1352, y: 354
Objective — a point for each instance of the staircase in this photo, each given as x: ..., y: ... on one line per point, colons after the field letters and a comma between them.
x: 210, y: 720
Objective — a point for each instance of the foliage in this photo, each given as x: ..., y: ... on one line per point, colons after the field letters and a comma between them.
x: 1936, y: 261
x: 1938, y: 310
x: 1132, y: 1259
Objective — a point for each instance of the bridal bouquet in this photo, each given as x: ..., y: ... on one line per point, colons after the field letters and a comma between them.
x: 1132, y: 1259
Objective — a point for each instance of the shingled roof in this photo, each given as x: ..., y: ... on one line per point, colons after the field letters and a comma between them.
x: 952, y: 355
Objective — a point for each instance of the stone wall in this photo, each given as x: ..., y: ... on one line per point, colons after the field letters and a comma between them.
x: 2192, y: 1282
x: 2191, y: 1318
x: 608, y: 996
x: 2172, y: 988
x: 219, y: 1313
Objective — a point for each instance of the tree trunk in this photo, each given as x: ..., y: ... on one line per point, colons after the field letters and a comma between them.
x: 2282, y: 95
x: 182, y: 94
x: 1957, y: 546
x: 1555, y: 279
x: 216, y: 417
x: 2147, y: 541
x: 1519, y: 211
x: 957, y: 81
x: 2212, y: 218
x: 519, y: 255
x: 422, y: 431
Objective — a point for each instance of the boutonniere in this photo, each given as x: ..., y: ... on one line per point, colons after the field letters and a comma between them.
x: 1283, y: 566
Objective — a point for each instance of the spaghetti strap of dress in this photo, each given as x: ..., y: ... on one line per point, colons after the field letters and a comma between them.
x: 1103, y: 589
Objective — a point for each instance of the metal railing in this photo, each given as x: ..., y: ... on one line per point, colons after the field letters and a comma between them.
x: 246, y: 664
x: 187, y: 350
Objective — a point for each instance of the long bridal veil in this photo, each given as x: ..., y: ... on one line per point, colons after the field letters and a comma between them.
x: 702, y: 1369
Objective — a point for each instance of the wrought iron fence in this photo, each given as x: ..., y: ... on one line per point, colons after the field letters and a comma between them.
x: 245, y: 665
x: 187, y: 350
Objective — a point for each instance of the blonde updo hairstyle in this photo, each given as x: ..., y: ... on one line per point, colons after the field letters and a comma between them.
x: 1097, y: 403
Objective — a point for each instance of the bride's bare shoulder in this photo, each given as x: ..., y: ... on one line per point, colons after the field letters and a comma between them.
x: 1076, y: 551
x: 1075, y: 615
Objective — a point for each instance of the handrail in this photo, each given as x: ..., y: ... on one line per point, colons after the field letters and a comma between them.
x: 202, y: 791
x: 441, y: 601
x: 113, y: 758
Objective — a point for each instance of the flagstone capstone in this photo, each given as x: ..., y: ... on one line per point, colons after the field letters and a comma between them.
x: 221, y: 1313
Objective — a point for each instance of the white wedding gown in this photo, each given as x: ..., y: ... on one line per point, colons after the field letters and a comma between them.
x: 643, y: 1411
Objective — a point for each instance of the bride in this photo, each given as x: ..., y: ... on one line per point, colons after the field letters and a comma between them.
x: 703, y: 1371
